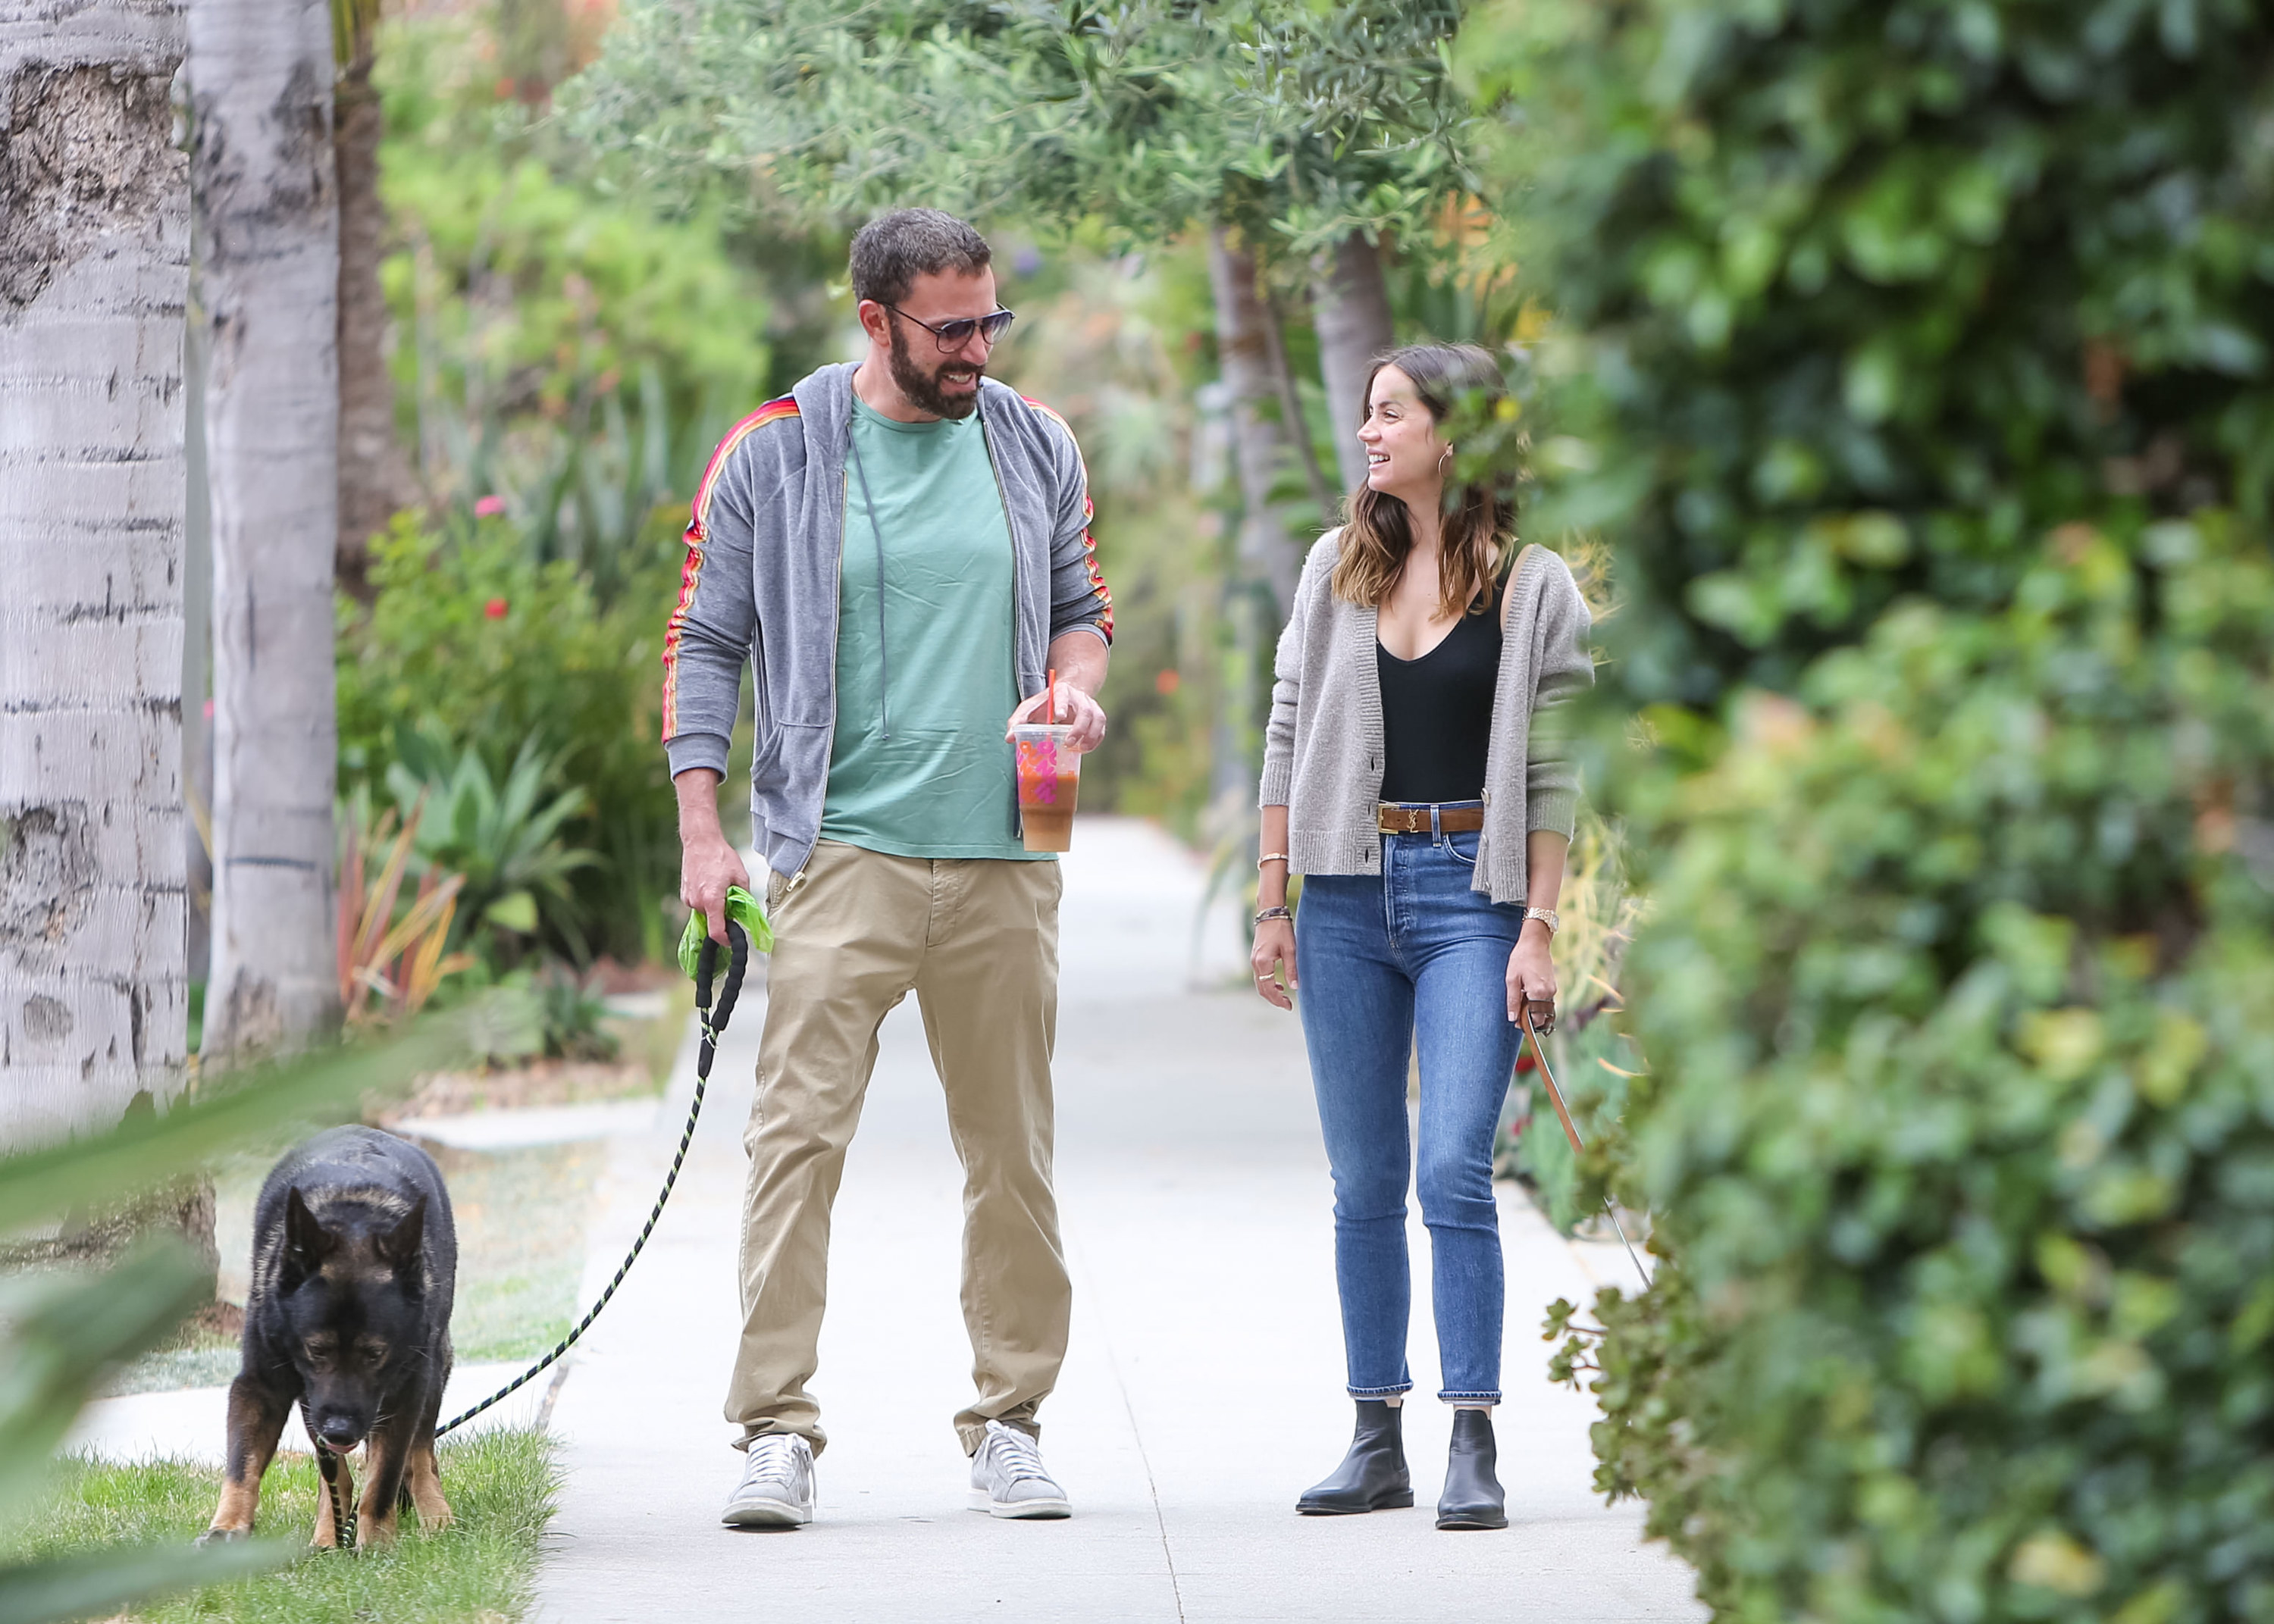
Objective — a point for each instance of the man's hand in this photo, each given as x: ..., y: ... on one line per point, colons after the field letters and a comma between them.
x: 1076, y: 710
x: 708, y: 864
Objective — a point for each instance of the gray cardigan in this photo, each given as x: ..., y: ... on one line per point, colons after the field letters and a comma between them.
x: 760, y: 586
x: 1323, y: 749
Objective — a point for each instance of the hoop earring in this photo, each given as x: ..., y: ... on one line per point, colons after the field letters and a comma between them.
x: 1444, y: 457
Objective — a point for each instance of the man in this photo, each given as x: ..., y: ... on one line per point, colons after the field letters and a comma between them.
x: 899, y: 549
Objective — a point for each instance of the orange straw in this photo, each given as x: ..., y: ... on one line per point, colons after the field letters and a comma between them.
x: 1053, y: 692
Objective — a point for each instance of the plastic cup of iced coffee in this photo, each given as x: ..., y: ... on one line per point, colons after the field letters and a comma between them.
x: 1049, y: 778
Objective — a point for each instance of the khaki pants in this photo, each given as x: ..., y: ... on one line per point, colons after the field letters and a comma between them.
x: 977, y: 941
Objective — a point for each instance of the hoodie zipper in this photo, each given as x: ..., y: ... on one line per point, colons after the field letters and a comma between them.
x: 1010, y: 529
x: 829, y: 760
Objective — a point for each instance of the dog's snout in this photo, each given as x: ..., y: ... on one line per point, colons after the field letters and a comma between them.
x: 341, y: 1431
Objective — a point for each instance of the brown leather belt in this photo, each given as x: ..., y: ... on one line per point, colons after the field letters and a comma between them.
x: 1415, y: 820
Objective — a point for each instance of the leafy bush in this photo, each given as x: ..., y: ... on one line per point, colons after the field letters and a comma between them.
x: 471, y: 643
x: 550, y: 1013
x: 1913, y: 358
x: 1860, y: 299
x: 1959, y: 1125
x: 501, y: 840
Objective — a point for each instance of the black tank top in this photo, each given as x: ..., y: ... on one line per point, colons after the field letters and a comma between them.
x: 1436, y: 713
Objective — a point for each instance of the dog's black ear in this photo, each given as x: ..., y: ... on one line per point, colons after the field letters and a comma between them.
x: 306, y: 1242
x: 400, y: 1246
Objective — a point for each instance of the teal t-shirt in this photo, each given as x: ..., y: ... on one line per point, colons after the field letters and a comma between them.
x: 942, y: 785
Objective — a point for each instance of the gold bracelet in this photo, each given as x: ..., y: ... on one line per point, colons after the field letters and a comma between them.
x: 1271, y: 857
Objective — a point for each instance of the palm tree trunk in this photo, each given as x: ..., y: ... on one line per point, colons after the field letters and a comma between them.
x: 94, y: 269
x: 1350, y: 305
x: 1259, y: 445
x: 260, y: 76
x: 374, y: 475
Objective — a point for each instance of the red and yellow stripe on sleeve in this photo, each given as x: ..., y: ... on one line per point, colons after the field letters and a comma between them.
x: 690, y: 573
x: 1088, y: 513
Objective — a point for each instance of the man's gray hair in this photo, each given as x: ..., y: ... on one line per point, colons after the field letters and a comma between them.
x: 892, y: 249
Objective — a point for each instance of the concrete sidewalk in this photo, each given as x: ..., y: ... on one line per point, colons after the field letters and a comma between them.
x: 1202, y: 1393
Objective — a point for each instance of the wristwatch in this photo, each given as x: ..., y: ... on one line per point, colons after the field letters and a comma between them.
x: 1546, y: 917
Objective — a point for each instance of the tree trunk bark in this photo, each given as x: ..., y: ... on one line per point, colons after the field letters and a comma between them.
x: 1350, y: 307
x: 1290, y: 414
x: 374, y: 475
x: 1258, y: 447
x: 260, y: 76
x: 94, y: 273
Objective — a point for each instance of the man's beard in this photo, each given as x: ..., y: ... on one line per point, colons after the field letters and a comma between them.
x: 923, y: 388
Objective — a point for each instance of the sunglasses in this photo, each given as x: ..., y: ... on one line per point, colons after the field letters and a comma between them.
x: 955, y: 334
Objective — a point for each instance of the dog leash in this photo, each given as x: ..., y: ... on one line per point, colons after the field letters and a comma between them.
x: 714, y: 1022
x: 1564, y: 1115
x: 328, y: 1463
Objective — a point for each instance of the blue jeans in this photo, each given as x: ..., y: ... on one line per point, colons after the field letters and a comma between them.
x: 1385, y: 961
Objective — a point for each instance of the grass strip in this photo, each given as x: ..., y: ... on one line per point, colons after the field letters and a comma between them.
x: 501, y: 1484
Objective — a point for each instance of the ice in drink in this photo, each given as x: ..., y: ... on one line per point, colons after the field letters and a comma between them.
x: 1049, y: 778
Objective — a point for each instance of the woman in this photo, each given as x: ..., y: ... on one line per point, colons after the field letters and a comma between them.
x: 1405, y: 778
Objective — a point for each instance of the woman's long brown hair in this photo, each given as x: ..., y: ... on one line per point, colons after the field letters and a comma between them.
x: 1477, y: 521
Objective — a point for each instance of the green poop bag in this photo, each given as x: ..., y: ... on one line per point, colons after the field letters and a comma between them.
x: 743, y: 908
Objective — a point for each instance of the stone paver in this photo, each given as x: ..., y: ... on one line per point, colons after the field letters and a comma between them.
x: 1202, y: 1393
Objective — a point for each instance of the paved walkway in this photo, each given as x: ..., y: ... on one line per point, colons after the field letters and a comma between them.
x: 1202, y: 1391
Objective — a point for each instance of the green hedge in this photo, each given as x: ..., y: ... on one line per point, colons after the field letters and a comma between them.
x: 1912, y: 359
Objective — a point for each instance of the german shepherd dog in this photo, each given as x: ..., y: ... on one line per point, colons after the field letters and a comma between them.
x: 355, y: 1260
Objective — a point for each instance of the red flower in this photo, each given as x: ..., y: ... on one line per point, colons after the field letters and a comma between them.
x: 494, y: 608
x: 489, y: 506
x: 1168, y: 681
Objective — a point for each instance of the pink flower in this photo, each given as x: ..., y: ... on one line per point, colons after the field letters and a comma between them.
x: 494, y: 608
x: 489, y: 506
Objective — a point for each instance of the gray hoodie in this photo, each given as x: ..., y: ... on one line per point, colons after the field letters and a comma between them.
x: 760, y: 586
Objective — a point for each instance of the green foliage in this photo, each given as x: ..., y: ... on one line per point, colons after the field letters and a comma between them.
x: 1958, y: 1125
x: 1297, y: 122
x: 1912, y: 357
x: 1861, y: 298
x: 503, y: 838
x: 573, y: 1015
x: 570, y: 355
x: 474, y: 648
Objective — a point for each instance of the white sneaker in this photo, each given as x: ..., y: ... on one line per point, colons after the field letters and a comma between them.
x: 1007, y: 1479
x: 776, y: 1487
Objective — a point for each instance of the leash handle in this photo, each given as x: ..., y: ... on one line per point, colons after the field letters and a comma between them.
x: 714, y: 1020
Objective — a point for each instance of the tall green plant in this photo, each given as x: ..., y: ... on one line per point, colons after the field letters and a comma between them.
x: 1913, y: 358
x: 500, y: 836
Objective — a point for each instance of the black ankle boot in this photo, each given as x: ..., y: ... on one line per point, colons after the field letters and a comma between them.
x: 1472, y: 1497
x: 1373, y: 1475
